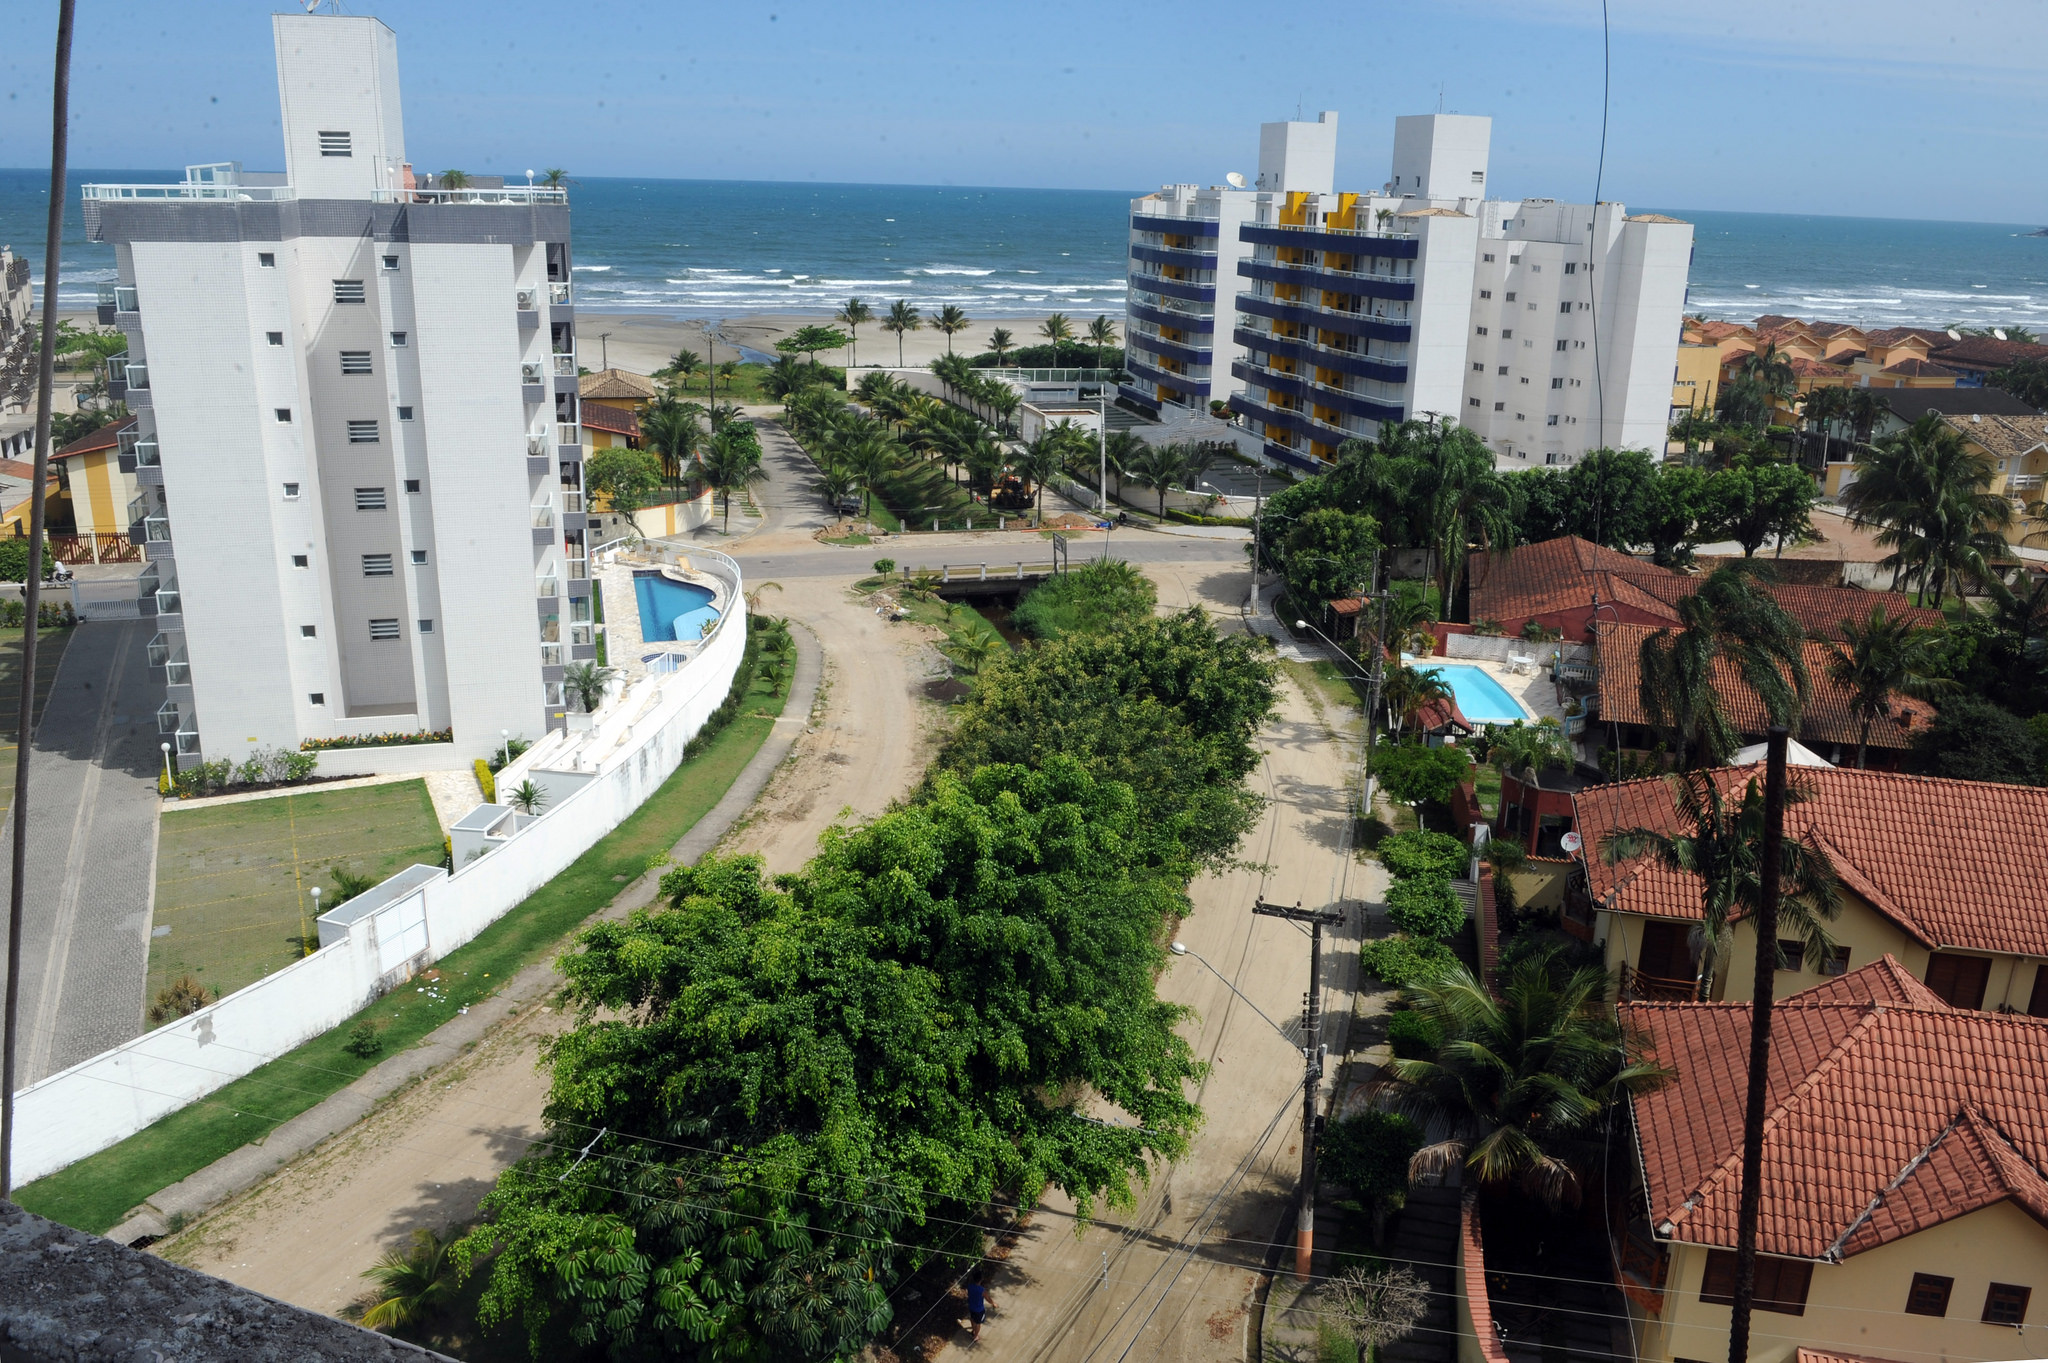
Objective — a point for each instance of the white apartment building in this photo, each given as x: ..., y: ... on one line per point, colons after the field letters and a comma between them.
x: 1550, y: 329
x: 1185, y: 250
x: 360, y: 468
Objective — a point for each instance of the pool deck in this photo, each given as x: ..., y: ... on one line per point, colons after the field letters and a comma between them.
x: 1533, y: 689
x: 624, y: 643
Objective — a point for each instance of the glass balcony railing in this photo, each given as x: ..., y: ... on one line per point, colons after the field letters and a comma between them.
x: 119, y: 297
x: 579, y: 567
x: 572, y: 500
x: 568, y: 433
x: 167, y: 601
x: 543, y: 515
x: 178, y: 673
x: 536, y: 443
x: 581, y: 634
x: 188, y: 742
x: 558, y: 293
x: 145, y: 454
x: 157, y: 529
x: 137, y: 375
x: 533, y: 372
x: 550, y: 655
x: 565, y: 364
x: 547, y: 585
x: 159, y: 649
x: 167, y: 718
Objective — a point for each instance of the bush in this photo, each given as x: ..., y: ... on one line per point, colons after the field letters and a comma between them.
x: 14, y: 561
x: 1404, y: 961
x: 1973, y: 739
x: 1413, y: 1036
x: 180, y: 998
x: 1416, y: 775
x: 1096, y: 598
x: 389, y: 740
x: 363, y: 1041
x: 1424, y: 854
x: 486, y: 782
x: 49, y: 615
x: 885, y: 565
x: 1369, y: 1151
x: 1424, y: 906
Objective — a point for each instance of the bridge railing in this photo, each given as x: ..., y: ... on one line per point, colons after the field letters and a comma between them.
x: 982, y: 572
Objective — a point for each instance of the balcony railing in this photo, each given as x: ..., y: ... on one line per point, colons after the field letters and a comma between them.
x: 572, y: 500
x: 145, y: 454
x: 159, y: 650
x: 547, y: 585
x: 168, y: 601
x: 550, y: 655
x: 167, y: 718
x: 188, y: 742
x: 190, y: 189
x: 504, y: 194
x: 543, y: 515
x: 533, y: 372
x: 1636, y: 985
x: 579, y: 567
x: 178, y: 673
x: 2023, y: 482
x: 137, y: 375
x: 119, y: 297
x: 536, y: 442
x: 581, y: 635
x: 157, y: 529
x: 558, y: 292
x: 568, y: 433
x: 565, y: 364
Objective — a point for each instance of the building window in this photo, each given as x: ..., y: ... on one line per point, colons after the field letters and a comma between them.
x: 1478, y: 177
x: 426, y: 626
x: 2006, y: 1304
x: 376, y: 565
x: 1512, y: 260
x: 1521, y: 416
x: 1960, y: 980
x: 1929, y: 1295
x: 405, y: 414
x: 316, y: 697
x: 1511, y: 295
x: 391, y: 262
x: 1500, y: 406
x: 1837, y: 962
x: 1552, y: 421
x: 1473, y: 401
x: 334, y: 144
x: 362, y: 432
x: 1508, y: 335
x: 419, y: 556
x: 355, y: 361
x: 1562, y: 344
x: 1482, y: 331
x: 412, y: 485
x: 384, y: 629
x: 1571, y: 267
x: 1525, y: 379
x: 1557, y: 383
x: 267, y: 259
x: 1478, y: 368
x: 349, y: 291
x: 1488, y: 257
x: 1781, y: 1284
x: 1503, y: 371
x: 291, y: 492
x: 1535, y: 269
x: 1486, y: 293
x: 398, y: 340
x: 301, y: 561
x: 1564, y: 307
x: 274, y: 337
x: 308, y: 631
x: 283, y: 415
x: 369, y: 499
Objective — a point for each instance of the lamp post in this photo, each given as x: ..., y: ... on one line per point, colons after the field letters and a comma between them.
x: 305, y: 928
x: 169, y: 780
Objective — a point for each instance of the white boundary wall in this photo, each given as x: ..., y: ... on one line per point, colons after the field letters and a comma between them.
x: 118, y: 1092
x: 1499, y: 648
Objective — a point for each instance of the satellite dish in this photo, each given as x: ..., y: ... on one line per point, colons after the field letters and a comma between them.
x: 1998, y: 333
x: 1571, y: 842
x: 1954, y: 335
x: 1236, y: 179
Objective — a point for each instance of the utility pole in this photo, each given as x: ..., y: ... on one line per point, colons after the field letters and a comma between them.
x: 1258, y: 559
x: 1312, y: 1076
x: 1751, y: 1200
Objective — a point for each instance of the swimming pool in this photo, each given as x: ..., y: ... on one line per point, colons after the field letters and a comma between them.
x: 672, y: 610
x: 1484, y: 700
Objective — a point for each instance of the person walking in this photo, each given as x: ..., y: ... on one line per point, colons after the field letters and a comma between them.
x: 977, y: 1305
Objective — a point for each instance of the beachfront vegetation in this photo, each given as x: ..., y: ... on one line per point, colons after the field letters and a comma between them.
x: 1932, y: 496
x: 732, y: 463
x: 901, y: 320
x: 796, y: 1093
x: 853, y: 315
x: 625, y: 479
x: 949, y: 321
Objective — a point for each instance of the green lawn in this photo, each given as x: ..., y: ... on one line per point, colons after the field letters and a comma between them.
x: 98, y: 1192
x: 233, y: 882
x: 50, y: 646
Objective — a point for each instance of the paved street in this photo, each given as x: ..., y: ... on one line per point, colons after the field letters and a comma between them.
x: 91, y: 852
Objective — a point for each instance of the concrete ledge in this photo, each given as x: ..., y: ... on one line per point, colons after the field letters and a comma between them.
x: 66, y: 1295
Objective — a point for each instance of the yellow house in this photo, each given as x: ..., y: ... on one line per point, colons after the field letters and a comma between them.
x: 1904, y: 1212
x: 1948, y: 878
x: 2018, y: 450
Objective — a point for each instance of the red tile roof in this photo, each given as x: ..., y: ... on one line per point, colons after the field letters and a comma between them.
x: 1721, y: 331
x: 1819, y: 610
x: 613, y: 419
x: 1953, y: 863
x: 1984, y: 352
x: 1885, y: 1120
x: 1891, y: 336
x: 1437, y: 716
x: 105, y: 438
x: 1560, y: 574
x: 1827, y: 717
x: 1806, y: 1355
x: 1920, y: 369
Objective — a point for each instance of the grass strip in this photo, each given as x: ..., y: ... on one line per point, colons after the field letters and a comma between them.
x: 98, y: 1192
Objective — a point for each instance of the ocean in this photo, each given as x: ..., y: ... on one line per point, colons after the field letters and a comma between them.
x: 712, y: 248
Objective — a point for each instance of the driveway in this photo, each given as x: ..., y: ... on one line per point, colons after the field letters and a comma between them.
x: 92, y: 830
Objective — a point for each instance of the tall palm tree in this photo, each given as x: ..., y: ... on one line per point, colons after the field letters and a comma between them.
x: 1003, y: 402
x: 1770, y: 369
x: 1406, y: 690
x: 1878, y: 658
x: 1436, y: 484
x: 1000, y: 344
x: 1729, y: 618
x: 1866, y: 407
x: 1058, y: 330
x: 1102, y: 335
x: 1824, y: 407
x: 902, y: 318
x: 1043, y: 458
x: 1520, y: 1090
x: 1932, y: 495
x: 673, y: 431
x: 950, y: 321
x: 853, y: 315
x: 685, y: 362
x: 731, y: 462
x: 410, y: 1285
x: 1161, y: 467
x: 554, y: 177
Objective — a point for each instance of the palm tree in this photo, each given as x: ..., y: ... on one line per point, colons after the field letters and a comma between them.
x: 731, y: 462
x: 527, y: 798
x: 1878, y: 658
x: 686, y: 363
x: 587, y: 682
x: 902, y: 318
x: 1101, y: 335
x: 1771, y: 371
x: 1437, y: 480
x: 1824, y: 407
x: 671, y: 430
x: 1932, y: 496
x: 1518, y: 747
x: 853, y: 315
x: 1406, y: 690
x: 1043, y: 458
x: 454, y: 179
x: 727, y: 370
x: 867, y: 456
x: 951, y: 321
x: 1730, y: 619
x: 1003, y: 402
x: 1159, y: 467
x: 1521, y: 1088
x: 554, y: 177
x: 1866, y: 407
x: 410, y: 1285
x: 1056, y: 329
x: 1000, y: 344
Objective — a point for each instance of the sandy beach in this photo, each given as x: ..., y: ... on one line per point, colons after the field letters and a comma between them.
x: 643, y: 342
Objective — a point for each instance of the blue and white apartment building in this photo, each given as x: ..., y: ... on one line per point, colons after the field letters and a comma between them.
x: 1550, y: 329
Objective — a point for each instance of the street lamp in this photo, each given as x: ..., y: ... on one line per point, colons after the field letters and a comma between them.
x: 305, y: 928
x: 1181, y: 949
x: 168, y: 778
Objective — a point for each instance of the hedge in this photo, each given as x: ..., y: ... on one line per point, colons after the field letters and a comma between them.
x: 1424, y: 906
x: 1422, y: 853
x: 1404, y: 961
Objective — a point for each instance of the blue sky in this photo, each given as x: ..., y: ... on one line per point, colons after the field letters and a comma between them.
x: 1892, y: 108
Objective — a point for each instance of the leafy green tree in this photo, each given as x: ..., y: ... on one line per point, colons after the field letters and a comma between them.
x: 1519, y: 748
x: 2026, y: 380
x: 1406, y: 690
x: 626, y: 479
x: 809, y: 340
x: 1422, y: 853
x: 1878, y: 658
x: 1677, y: 514
x: 1525, y: 1082
x: 1417, y: 775
x: 1425, y: 906
x: 1753, y: 503
x: 1973, y: 739
x: 1368, y: 1152
x: 1453, y: 497
x: 902, y: 320
x: 1329, y: 556
x: 1607, y: 497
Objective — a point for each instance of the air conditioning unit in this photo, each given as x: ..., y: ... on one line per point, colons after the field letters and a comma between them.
x: 527, y: 300
x: 532, y: 373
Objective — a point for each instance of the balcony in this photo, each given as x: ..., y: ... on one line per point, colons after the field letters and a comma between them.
x: 1179, y: 226
x: 503, y: 194
x: 1321, y: 277
x: 1327, y: 319
x: 1345, y: 239
x: 565, y: 364
x: 136, y: 376
x: 572, y: 502
x: 1176, y: 255
x: 547, y: 586
x: 1168, y: 316
x: 550, y: 655
x: 581, y: 634
x: 159, y: 650
x: 188, y: 743
x: 558, y: 294
x: 177, y: 672
x: 528, y: 300
x: 568, y: 433
x: 119, y: 297
x: 1308, y: 390
x: 543, y: 515
x: 1174, y: 288
x: 168, y: 601
x: 156, y: 529
x: 536, y: 444
x: 533, y: 373
x: 1636, y: 985
x: 1178, y: 350
x: 167, y: 718
x: 1165, y: 379
x: 579, y: 567
x: 1343, y: 361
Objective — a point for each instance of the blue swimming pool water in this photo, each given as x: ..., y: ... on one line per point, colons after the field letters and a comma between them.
x: 672, y: 610
x: 1484, y: 700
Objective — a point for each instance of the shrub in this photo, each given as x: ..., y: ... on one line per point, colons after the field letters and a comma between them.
x: 1097, y: 598
x: 1413, y: 1036
x: 1424, y: 906
x: 1424, y: 854
x: 363, y: 1040
x: 1416, y: 775
x: 885, y: 565
x: 390, y: 740
x: 1368, y: 1153
x: 14, y: 561
x: 1405, y: 960
x: 49, y: 614
x: 251, y: 772
x: 180, y: 998
x: 486, y: 782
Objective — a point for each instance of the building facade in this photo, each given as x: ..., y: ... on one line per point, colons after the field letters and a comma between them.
x: 1550, y: 329
x: 356, y: 428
